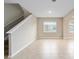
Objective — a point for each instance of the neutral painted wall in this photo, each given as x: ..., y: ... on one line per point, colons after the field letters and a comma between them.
x: 42, y: 34
x: 22, y: 35
x: 26, y: 12
x: 66, y: 20
x: 11, y: 13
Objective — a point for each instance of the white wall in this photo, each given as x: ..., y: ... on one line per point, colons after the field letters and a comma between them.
x: 22, y: 35
x: 26, y: 12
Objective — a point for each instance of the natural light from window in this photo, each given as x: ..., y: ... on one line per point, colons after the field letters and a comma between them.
x: 50, y: 26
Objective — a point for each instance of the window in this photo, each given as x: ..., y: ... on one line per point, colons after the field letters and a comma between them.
x: 49, y: 26
x: 71, y: 26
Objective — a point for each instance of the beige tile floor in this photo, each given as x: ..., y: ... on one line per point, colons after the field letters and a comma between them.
x: 48, y: 49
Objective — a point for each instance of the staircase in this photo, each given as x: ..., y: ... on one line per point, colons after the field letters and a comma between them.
x: 6, y: 46
x: 19, y: 18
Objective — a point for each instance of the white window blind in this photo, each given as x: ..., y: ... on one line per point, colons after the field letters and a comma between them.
x: 49, y: 26
x: 71, y: 26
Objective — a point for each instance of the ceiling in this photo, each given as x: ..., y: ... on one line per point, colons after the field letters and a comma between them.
x: 46, y: 8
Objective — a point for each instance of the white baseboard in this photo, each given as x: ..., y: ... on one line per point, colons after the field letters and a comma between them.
x: 21, y: 49
x: 51, y: 37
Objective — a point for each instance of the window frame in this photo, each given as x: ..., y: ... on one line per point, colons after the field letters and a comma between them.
x: 50, y: 26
